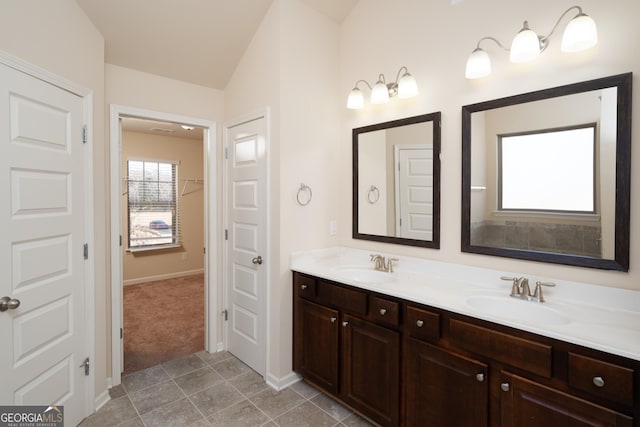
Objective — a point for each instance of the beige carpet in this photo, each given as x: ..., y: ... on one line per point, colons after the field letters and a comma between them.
x: 163, y: 320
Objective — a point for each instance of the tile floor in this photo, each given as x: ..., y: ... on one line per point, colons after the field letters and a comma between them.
x: 215, y: 389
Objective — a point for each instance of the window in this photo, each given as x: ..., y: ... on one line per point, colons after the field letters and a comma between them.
x: 548, y: 171
x: 152, y: 204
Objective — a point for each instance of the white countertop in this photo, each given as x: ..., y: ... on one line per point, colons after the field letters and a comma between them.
x: 598, y: 317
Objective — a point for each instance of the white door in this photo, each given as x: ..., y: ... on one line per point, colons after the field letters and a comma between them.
x: 41, y: 250
x: 246, y: 256
x: 414, y: 193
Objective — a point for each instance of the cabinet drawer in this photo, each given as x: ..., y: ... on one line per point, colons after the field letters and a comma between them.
x: 305, y: 286
x: 385, y: 311
x: 347, y: 299
x: 422, y: 324
x: 600, y: 378
x: 518, y: 352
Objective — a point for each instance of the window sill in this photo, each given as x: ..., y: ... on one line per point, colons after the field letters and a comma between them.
x: 151, y: 248
x: 548, y: 215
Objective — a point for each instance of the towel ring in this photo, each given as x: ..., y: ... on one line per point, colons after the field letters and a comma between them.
x: 373, y: 195
x: 304, y: 189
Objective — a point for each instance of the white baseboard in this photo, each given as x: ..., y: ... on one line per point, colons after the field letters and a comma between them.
x: 284, y: 382
x: 162, y: 277
x: 220, y: 346
x: 102, y: 399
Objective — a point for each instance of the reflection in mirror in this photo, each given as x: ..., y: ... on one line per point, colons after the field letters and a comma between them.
x: 546, y: 175
x: 396, y: 181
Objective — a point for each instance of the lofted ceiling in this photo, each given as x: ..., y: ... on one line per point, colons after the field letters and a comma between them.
x: 196, y: 41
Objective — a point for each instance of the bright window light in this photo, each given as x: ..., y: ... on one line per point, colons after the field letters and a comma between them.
x: 548, y: 170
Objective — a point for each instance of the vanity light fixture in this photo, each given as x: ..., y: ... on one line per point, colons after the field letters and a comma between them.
x: 404, y: 86
x: 580, y: 34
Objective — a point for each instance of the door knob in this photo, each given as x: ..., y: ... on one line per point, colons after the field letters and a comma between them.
x: 7, y: 303
x: 257, y: 260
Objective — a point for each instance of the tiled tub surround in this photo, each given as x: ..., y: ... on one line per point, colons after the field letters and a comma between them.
x: 598, y: 317
x: 537, y: 236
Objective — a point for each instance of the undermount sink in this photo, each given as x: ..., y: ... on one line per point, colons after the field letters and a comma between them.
x: 365, y: 275
x: 515, y: 309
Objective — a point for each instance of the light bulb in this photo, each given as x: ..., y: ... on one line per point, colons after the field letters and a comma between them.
x: 355, y: 101
x: 379, y: 93
x: 581, y: 34
x: 525, y: 46
x: 478, y: 64
x: 407, y: 86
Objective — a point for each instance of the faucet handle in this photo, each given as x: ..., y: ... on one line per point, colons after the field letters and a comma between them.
x: 374, y: 257
x: 515, y: 289
x: 537, y: 295
x: 390, y: 264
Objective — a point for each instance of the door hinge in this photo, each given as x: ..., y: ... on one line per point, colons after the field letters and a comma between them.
x: 86, y: 251
x: 225, y: 314
x: 84, y: 134
x: 400, y: 222
x: 121, y: 240
x: 226, y: 152
x: 87, y: 367
x: 226, y: 234
x: 121, y: 333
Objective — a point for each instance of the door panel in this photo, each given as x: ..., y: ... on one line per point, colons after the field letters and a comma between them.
x: 415, y: 193
x: 247, y: 241
x: 42, y: 224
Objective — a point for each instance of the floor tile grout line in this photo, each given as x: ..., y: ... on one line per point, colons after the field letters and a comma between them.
x: 250, y: 401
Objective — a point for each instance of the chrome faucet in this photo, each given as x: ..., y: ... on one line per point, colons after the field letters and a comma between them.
x: 380, y: 263
x: 520, y: 289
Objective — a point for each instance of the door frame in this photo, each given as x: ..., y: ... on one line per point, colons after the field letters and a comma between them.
x: 265, y: 114
x: 89, y: 339
x: 211, y: 206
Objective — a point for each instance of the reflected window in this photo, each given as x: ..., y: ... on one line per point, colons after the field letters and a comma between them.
x: 549, y: 170
x: 152, y: 205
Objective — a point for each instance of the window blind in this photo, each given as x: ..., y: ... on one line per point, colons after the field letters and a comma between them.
x: 152, y: 204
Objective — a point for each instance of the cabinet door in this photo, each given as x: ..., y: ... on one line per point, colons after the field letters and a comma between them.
x: 316, y: 344
x: 526, y: 403
x: 371, y: 369
x: 444, y: 389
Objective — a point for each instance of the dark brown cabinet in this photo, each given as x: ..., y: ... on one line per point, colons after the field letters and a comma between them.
x: 318, y: 355
x: 342, y: 344
x: 445, y: 389
x: 371, y: 369
x: 527, y: 403
x: 398, y: 363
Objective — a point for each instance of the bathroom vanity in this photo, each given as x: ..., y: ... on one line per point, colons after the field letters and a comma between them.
x: 438, y: 344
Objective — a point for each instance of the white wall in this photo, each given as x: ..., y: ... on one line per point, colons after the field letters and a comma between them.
x: 58, y: 36
x: 291, y: 67
x: 434, y: 40
x: 132, y: 88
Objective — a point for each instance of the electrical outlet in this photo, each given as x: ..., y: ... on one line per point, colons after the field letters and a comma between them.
x: 184, y: 256
x: 333, y: 227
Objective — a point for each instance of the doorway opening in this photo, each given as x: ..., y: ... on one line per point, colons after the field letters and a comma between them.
x: 163, y: 238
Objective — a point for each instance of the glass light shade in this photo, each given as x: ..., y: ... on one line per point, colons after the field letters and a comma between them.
x: 581, y: 34
x: 379, y: 93
x: 478, y: 64
x: 525, y: 46
x: 355, y: 101
x: 407, y: 86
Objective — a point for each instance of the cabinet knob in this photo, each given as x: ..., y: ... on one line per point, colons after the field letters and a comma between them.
x: 504, y: 386
x: 333, y: 319
x: 419, y: 323
x: 344, y: 324
x: 383, y: 311
x: 480, y: 377
x: 598, y: 381
x: 303, y: 287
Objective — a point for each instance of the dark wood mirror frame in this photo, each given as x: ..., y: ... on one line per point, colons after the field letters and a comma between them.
x: 623, y: 83
x: 434, y: 243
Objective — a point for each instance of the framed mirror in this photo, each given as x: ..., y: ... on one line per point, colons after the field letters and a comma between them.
x: 396, y: 181
x: 546, y: 175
